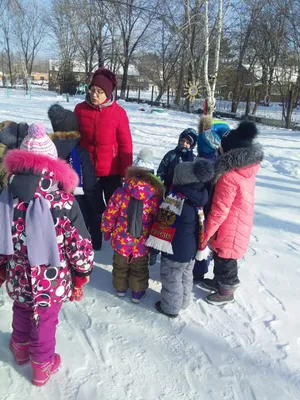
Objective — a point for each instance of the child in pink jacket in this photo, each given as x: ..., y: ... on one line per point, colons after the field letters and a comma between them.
x: 230, y: 220
x: 128, y: 218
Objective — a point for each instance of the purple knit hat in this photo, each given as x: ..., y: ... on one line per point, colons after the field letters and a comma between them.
x: 38, y: 141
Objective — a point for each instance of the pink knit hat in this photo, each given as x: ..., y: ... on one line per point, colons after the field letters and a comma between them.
x: 38, y: 141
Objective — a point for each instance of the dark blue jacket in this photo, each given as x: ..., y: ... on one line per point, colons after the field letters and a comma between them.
x: 167, y: 166
x: 185, y: 242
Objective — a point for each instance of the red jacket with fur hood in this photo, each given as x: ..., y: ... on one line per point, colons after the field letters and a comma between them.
x: 106, y: 136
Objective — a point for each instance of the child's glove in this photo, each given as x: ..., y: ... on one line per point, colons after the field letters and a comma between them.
x: 107, y: 236
x: 2, y: 276
x: 153, y: 256
x: 77, y: 293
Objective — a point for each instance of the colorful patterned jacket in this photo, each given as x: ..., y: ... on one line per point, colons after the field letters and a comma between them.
x: 140, y: 185
x: 42, y: 285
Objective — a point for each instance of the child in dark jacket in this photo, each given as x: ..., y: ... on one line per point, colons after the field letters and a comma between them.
x: 66, y: 138
x: 11, y: 136
x: 179, y: 234
x: 183, y: 152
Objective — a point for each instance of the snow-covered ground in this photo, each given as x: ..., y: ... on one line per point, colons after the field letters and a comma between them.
x: 113, y: 349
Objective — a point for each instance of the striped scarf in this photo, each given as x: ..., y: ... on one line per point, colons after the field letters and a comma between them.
x: 164, y: 228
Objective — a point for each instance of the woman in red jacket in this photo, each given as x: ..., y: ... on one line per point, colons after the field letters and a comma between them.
x: 230, y: 220
x: 105, y: 131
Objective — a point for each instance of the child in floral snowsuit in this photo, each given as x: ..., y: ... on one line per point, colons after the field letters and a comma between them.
x: 128, y: 217
x: 45, y: 250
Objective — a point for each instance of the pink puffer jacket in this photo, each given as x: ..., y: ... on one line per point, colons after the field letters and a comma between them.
x: 230, y: 220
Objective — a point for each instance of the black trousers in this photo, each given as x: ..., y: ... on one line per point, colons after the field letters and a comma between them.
x: 226, y: 269
x: 106, y: 185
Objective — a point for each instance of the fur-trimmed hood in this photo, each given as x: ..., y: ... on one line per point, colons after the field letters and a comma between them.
x: 140, y: 174
x: 65, y: 142
x: 23, y: 162
x: 239, y: 158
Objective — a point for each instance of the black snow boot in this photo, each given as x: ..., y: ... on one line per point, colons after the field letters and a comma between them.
x: 210, y: 284
x: 159, y: 309
x: 224, y: 295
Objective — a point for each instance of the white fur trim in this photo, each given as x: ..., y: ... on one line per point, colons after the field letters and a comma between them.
x: 202, y: 254
x: 158, y: 244
x: 78, y: 191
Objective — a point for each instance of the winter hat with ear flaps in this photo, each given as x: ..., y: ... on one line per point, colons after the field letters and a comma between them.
x: 201, y: 170
x: 241, y: 137
x: 104, y: 79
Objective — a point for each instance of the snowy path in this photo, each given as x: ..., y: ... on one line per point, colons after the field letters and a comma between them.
x: 249, y: 350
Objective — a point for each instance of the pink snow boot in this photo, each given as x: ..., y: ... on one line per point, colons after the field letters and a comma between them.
x: 43, y: 371
x: 20, y: 351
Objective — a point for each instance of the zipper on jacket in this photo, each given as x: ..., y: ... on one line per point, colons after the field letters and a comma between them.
x: 95, y: 147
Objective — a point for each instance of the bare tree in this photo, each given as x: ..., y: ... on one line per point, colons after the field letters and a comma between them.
x: 134, y: 17
x: 30, y: 31
x: 6, y: 26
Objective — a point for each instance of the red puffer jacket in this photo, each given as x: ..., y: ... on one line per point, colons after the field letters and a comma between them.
x: 106, y: 136
x: 230, y: 220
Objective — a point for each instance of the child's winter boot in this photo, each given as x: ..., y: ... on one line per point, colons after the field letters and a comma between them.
x: 138, y: 296
x: 210, y: 284
x: 43, y: 371
x: 20, y: 351
x: 160, y: 310
x: 224, y: 295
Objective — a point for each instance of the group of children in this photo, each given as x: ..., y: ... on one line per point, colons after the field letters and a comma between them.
x: 207, y: 211
x: 193, y: 208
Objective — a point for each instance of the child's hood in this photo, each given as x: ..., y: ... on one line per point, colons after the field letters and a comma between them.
x: 31, y: 173
x: 65, y: 142
x: 245, y: 161
x: 141, y: 184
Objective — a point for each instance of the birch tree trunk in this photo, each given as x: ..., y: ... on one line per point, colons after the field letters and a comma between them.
x: 211, y: 85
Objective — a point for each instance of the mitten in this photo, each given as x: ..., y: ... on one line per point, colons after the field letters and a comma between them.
x: 2, y: 276
x: 153, y: 256
x: 107, y: 236
x: 77, y: 293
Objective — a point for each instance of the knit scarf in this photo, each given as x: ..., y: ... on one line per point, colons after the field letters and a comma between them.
x: 40, y: 232
x: 75, y: 163
x: 164, y: 228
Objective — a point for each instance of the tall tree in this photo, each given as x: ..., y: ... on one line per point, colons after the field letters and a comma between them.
x: 134, y: 18
x: 30, y: 31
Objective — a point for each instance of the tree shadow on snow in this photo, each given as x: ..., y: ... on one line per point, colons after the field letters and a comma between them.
x: 266, y: 221
x: 277, y: 187
x: 292, y: 179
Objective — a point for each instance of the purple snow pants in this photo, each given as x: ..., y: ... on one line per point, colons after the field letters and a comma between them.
x: 41, y: 337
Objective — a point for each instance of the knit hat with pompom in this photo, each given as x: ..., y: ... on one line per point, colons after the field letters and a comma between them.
x: 241, y: 137
x: 38, y: 141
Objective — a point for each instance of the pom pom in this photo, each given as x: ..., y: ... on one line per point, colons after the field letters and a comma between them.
x: 204, y: 170
x: 36, y: 131
x: 247, y: 130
